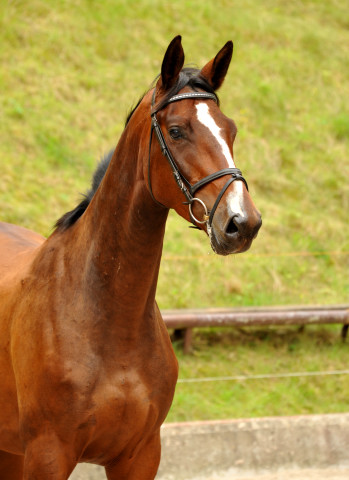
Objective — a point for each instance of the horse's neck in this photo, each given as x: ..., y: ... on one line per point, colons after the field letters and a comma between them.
x: 120, y: 236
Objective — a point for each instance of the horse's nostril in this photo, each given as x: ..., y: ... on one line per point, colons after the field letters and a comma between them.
x: 232, y: 227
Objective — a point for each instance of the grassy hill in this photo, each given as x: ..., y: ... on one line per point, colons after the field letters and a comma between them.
x: 70, y: 71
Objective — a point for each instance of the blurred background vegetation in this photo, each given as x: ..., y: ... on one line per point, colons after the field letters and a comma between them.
x: 70, y: 72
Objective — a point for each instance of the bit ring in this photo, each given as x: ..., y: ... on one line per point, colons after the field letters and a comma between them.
x: 206, y: 216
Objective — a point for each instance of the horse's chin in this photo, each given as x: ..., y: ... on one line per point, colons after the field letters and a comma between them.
x: 235, y: 243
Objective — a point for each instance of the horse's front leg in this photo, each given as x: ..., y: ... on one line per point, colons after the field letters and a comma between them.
x: 48, y: 458
x: 142, y: 466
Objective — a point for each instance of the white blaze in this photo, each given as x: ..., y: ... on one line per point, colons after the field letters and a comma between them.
x: 206, y: 119
x: 235, y: 198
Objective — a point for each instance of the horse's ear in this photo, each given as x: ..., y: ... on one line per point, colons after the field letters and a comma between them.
x: 216, y: 70
x: 172, y: 63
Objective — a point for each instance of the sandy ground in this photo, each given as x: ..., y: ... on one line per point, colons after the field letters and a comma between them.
x: 89, y: 472
x: 326, y: 474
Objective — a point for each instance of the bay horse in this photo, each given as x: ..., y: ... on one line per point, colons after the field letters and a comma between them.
x: 88, y: 372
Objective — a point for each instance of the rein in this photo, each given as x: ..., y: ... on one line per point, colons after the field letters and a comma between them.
x: 184, y: 185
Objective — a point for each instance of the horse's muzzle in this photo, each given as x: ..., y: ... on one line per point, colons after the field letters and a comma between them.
x: 236, y: 234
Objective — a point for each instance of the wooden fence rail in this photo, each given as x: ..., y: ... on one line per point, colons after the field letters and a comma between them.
x: 186, y: 320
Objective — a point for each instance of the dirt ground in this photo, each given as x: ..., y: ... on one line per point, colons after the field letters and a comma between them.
x: 309, y: 474
x: 89, y: 472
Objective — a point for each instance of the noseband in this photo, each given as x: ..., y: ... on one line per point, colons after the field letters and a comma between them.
x: 185, y: 186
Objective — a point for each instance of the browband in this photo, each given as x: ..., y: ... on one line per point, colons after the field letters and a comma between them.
x: 182, y: 96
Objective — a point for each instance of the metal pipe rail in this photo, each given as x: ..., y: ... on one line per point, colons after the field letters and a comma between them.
x: 186, y: 320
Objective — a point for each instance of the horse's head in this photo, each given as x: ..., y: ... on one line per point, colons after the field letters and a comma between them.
x: 196, y: 140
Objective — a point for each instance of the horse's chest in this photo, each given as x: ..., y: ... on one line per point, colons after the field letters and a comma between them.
x: 145, y: 388
x: 129, y: 403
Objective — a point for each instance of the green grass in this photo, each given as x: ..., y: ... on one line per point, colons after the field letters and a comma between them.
x: 249, y: 352
x: 70, y: 72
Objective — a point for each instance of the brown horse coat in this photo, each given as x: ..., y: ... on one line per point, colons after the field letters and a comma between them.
x: 87, y: 368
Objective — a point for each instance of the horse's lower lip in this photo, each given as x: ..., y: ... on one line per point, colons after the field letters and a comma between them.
x: 234, y: 244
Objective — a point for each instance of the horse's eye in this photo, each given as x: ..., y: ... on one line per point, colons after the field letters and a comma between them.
x: 175, y: 133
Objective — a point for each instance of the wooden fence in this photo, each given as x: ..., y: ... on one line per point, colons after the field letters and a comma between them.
x: 183, y: 321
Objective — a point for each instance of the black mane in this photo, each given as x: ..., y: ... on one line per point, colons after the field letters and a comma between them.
x: 71, y: 217
x: 188, y: 77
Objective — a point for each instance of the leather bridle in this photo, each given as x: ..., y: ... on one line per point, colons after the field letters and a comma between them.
x: 185, y: 186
